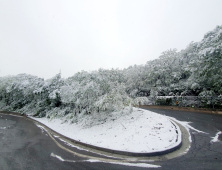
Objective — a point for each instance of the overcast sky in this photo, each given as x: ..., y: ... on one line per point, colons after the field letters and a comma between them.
x: 42, y: 37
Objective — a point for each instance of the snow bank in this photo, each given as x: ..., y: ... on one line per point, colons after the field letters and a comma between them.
x: 140, y: 131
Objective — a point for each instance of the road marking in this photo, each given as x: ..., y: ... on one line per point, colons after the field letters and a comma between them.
x: 144, y: 165
x: 105, y: 160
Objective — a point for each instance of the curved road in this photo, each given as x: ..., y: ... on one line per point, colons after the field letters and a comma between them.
x: 26, y: 146
x: 203, y: 153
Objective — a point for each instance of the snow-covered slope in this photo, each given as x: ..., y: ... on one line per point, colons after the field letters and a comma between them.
x: 138, y: 131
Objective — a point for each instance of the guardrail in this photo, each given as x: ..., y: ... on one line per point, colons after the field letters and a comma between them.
x: 213, y: 102
x: 189, y: 109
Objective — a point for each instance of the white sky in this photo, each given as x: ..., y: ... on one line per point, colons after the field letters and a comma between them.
x: 42, y: 37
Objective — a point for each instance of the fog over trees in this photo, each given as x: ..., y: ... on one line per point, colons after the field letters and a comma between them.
x: 194, y: 71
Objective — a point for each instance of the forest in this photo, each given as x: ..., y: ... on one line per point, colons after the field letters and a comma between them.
x: 194, y: 72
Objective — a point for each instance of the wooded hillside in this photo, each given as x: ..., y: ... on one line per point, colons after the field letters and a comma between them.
x: 194, y: 71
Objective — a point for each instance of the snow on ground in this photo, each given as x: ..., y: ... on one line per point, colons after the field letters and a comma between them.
x: 215, y: 138
x: 140, y: 131
x: 187, y: 126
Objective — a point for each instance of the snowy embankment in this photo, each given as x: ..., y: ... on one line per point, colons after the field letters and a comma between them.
x: 141, y: 131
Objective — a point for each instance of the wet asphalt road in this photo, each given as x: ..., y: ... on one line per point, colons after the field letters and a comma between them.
x: 25, y: 146
x: 203, y: 154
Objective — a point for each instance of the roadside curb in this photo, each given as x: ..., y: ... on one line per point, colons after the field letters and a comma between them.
x: 125, y: 153
x: 188, y: 109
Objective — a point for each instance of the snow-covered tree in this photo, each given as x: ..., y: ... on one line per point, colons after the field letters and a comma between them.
x: 194, y: 71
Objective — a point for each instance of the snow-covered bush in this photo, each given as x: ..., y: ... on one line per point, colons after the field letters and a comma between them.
x: 142, y: 101
x: 83, y: 93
